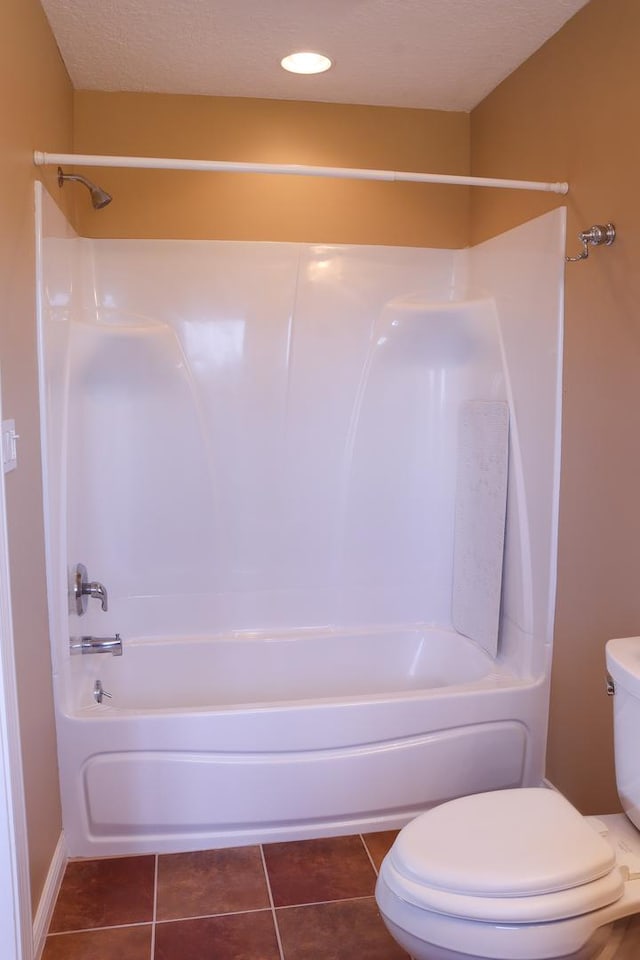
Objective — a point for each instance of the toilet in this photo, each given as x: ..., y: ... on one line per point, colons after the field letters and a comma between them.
x: 520, y: 874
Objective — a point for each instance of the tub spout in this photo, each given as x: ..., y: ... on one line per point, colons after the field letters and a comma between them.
x: 96, y: 645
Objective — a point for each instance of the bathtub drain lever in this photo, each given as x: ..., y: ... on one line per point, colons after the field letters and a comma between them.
x: 99, y: 692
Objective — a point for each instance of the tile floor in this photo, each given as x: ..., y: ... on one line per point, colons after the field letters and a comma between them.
x: 303, y: 900
x: 625, y: 943
x: 306, y: 900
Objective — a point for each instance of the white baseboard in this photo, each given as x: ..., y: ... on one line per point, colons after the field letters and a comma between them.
x: 49, y: 896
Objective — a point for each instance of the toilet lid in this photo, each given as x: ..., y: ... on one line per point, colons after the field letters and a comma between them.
x: 545, y: 908
x: 509, y: 843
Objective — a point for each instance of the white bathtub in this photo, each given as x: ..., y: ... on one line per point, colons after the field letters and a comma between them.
x: 221, y: 741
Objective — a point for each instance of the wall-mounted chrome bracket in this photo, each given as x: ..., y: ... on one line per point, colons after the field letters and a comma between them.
x: 598, y: 235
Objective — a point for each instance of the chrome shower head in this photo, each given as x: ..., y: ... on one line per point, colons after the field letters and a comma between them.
x: 99, y: 197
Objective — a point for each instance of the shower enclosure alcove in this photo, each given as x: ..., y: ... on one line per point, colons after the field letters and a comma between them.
x: 319, y: 484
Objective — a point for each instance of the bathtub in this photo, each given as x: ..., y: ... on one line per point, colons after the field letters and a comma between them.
x: 325, y: 732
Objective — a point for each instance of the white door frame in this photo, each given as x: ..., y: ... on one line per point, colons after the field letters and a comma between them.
x: 15, y: 899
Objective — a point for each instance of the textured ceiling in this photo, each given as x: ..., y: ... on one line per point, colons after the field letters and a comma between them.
x: 440, y: 54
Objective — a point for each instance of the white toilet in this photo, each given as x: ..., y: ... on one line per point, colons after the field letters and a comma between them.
x: 520, y: 874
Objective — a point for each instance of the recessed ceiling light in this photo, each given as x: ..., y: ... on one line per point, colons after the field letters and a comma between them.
x: 305, y: 62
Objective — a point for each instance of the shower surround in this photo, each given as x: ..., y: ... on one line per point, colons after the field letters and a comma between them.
x: 288, y: 465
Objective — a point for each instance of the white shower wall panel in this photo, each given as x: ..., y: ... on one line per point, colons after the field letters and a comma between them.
x: 194, y: 388
x: 524, y: 271
x: 59, y: 275
x: 425, y: 358
x: 268, y: 430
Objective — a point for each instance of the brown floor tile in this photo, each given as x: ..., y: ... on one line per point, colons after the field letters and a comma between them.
x: 119, y: 943
x: 241, y: 936
x: 311, y: 871
x: 336, y: 931
x: 210, y: 881
x: 103, y: 893
x: 379, y: 844
x: 629, y: 931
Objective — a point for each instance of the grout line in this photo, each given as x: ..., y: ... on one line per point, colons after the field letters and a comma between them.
x: 112, y: 926
x: 210, y: 916
x: 155, y: 907
x: 207, y: 916
x: 146, y: 923
x: 273, y: 909
x: 321, y: 903
x: 364, y: 844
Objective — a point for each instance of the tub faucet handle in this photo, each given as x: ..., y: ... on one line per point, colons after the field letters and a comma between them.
x: 83, y: 588
x: 98, y: 592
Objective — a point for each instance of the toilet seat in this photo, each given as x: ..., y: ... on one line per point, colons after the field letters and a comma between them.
x: 516, y: 856
x: 540, y: 908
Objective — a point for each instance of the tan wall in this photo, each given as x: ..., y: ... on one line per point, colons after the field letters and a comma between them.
x: 206, y: 205
x: 571, y: 112
x: 36, y: 112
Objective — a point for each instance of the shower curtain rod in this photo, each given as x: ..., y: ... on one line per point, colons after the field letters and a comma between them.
x: 349, y: 173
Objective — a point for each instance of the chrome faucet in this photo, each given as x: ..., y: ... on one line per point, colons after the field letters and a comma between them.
x: 96, y: 645
x: 83, y: 588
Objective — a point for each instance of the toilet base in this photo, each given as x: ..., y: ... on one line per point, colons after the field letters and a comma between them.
x: 420, y: 950
x: 595, y: 949
x: 426, y: 935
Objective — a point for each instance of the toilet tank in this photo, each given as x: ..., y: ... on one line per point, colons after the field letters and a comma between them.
x: 623, y: 665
